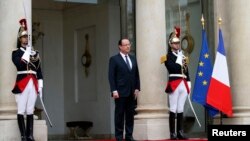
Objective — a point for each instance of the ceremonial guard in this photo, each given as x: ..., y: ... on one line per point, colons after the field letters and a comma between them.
x: 29, y: 81
x: 178, y: 85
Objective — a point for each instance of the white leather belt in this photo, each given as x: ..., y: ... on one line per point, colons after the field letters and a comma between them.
x: 26, y: 72
x: 178, y: 75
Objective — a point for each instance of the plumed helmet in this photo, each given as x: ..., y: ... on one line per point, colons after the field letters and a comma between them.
x: 175, y: 36
x: 23, y: 28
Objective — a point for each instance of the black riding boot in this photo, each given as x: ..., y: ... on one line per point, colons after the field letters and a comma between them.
x: 180, y: 133
x: 21, y: 125
x: 172, y: 126
x: 29, y: 131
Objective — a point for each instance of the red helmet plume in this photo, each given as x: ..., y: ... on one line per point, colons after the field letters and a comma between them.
x: 23, y: 28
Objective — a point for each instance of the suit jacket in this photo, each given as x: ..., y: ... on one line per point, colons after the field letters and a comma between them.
x: 21, y: 65
x: 122, y: 79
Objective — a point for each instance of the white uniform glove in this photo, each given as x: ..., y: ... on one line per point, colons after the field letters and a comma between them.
x: 27, y: 53
x: 40, y: 88
x: 179, y: 57
x: 189, y: 85
x: 40, y: 92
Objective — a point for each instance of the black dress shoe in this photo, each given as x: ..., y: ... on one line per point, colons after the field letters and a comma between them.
x: 181, y: 136
x: 23, y: 138
x: 130, y: 139
x: 173, y: 136
x: 30, y: 138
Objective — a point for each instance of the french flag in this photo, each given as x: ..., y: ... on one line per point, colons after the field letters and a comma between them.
x: 219, y: 94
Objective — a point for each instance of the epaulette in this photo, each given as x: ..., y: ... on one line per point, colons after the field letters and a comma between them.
x: 163, y: 58
x: 15, y: 49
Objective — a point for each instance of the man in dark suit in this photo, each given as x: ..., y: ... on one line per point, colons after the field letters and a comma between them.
x: 124, y: 83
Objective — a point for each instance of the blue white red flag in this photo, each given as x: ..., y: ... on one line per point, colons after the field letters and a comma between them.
x: 219, y: 93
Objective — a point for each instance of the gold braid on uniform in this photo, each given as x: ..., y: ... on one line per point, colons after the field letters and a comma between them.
x: 35, y: 58
x: 185, y: 64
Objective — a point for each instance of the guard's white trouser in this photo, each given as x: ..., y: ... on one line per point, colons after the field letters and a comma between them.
x: 178, y: 98
x: 27, y: 99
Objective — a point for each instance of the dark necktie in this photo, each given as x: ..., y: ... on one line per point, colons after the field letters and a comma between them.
x: 126, y: 58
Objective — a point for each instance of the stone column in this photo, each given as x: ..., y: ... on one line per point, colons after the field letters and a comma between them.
x: 9, y: 27
x: 151, y: 122
x: 236, y: 30
x: 11, y: 11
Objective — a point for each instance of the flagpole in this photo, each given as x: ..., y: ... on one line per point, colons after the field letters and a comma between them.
x: 206, y: 111
x: 221, y: 115
x: 203, y: 27
x: 221, y: 118
x: 202, y: 21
